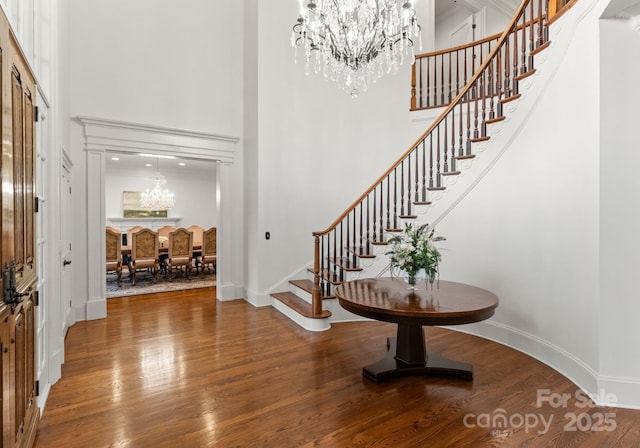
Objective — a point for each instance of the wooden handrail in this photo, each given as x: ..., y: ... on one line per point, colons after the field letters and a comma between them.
x: 475, y: 43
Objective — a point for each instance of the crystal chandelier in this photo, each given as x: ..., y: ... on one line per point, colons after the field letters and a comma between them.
x: 355, y: 41
x: 158, y: 198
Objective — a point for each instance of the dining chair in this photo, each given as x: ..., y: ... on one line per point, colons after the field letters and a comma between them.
x: 144, y: 253
x: 163, y: 234
x: 208, y: 254
x: 113, y: 251
x: 180, y: 251
x: 197, y: 234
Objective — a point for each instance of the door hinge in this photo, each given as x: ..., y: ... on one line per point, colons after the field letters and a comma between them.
x: 36, y: 112
x: 38, y: 388
x: 36, y: 204
x: 36, y: 298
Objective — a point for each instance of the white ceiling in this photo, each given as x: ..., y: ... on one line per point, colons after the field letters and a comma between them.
x: 137, y: 163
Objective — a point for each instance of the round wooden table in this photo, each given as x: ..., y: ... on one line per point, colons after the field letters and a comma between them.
x: 392, y: 300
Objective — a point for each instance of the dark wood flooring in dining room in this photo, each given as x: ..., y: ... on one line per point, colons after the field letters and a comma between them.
x: 182, y: 369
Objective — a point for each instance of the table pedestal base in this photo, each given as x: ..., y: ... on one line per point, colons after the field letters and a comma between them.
x: 391, y: 366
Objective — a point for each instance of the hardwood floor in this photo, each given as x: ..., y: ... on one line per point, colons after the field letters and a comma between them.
x: 181, y: 369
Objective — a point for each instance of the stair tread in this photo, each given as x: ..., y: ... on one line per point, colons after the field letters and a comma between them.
x: 511, y: 98
x: 541, y: 47
x: 299, y: 305
x: 344, y: 263
x: 526, y: 74
x: 360, y: 253
x: 307, y: 285
x: 495, y: 119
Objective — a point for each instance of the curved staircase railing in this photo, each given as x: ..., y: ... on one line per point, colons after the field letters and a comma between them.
x: 406, y: 185
x: 438, y: 76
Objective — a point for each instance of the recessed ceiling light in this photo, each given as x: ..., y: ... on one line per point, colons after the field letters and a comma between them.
x: 148, y: 164
x: 181, y: 163
x: 115, y: 158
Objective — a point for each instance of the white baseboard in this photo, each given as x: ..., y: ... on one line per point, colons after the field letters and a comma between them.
x: 96, y: 308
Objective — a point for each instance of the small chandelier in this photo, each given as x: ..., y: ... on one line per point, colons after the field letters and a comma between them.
x: 356, y: 41
x: 158, y: 198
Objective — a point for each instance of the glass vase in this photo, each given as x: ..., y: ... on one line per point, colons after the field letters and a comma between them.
x: 411, y: 279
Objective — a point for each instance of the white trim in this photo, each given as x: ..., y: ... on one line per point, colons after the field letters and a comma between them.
x: 629, y: 388
x: 112, y: 135
x: 122, y: 224
x: 544, y: 351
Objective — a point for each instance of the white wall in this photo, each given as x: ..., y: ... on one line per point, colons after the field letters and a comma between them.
x: 488, y: 19
x: 190, y: 188
x: 158, y: 62
x: 619, y: 215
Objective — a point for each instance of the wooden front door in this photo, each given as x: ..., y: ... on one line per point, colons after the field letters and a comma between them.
x: 17, y: 245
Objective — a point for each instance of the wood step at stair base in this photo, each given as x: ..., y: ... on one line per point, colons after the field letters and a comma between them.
x: 299, y: 305
x: 307, y: 285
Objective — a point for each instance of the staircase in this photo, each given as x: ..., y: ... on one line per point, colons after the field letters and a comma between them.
x: 436, y: 172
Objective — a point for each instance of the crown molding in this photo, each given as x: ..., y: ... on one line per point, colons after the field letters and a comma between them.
x: 103, y: 134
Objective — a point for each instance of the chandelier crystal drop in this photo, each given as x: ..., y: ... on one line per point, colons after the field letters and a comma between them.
x: 157, y: 198
x: 354, y: 42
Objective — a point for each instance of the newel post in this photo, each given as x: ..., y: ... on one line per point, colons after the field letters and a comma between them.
x: 316, y: 293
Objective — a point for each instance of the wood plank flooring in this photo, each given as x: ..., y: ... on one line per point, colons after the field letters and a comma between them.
x: 183, y: 370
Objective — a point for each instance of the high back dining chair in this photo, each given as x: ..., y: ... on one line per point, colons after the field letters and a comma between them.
x: 180, y: 251
x: 114, y: 256
x: 208, y: 256
x: 144, y: 253
x: 197, y: 234
x: 163, y: 235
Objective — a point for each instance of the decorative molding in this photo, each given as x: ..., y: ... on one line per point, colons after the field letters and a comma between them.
x: 123, y: 224
x: 111, y: 135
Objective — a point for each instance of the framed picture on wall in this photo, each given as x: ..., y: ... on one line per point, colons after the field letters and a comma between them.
x: 131, y: 207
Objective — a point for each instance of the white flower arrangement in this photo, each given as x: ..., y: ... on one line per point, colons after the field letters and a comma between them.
x: 414, y: 250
